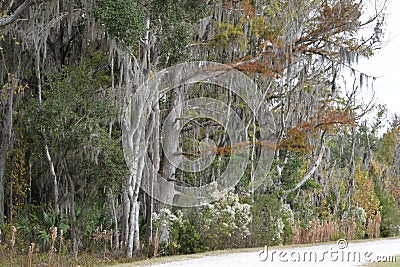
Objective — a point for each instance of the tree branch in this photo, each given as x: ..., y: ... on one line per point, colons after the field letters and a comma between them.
x: 14, y: 16
x: 314, y: 167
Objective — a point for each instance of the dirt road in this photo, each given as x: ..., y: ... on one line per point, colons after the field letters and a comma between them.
x: 342, y: 253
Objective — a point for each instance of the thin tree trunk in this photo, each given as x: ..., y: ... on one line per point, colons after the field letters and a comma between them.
x: 352, y: 167
x: 5, y: 143
x: 115, y: 219
x: 125, y: 217
x: 136, y: 235
x: 46, y: 147
x: 134, y: 178
x: 131, y: 223
x: 54, y: 179
x: 156, y: 165
x: 315, y: 166
x: 75, y: 238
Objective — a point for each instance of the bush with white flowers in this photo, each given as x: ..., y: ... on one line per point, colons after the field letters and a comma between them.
x: 165, y: 218
x: 225, y: 223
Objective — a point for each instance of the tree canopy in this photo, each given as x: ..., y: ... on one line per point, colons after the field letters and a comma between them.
x: 89, y: 118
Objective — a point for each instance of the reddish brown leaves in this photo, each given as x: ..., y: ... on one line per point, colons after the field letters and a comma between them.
x: 325, y: 120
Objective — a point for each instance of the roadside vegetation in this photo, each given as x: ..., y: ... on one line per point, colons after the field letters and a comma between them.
x: 68, y: 70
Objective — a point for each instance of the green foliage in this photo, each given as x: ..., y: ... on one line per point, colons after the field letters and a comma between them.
x: 185, y: 239
x: 35, y: 227
x: 389, y: 143
x: 271, y: 222
x: 365, y: 195
x: 294, y: 171
x: 92, y: 220
x: 75, y: 115
x: 175, y: 20
x: 229, y: 34
x: 390, y: 225
x: 122, y: 19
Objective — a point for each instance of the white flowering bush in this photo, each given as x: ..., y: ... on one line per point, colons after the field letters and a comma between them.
x: 287, y: 213
x: 225, y: 223
x: 165, y: 218
x: 287, y: 217
x: 279, y: 226
x: 360, y: 215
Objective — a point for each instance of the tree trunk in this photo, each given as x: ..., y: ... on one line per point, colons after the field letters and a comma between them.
x: 125, y: 217
x: 156, y: 165
x: 5, y: 142
x: 46, y: 147
x: 133, y: 247
x: 136, y: 233
x: 75, y: 238
x: 54, y: 179
x: 137, y: 150
x: 131, y: 223
x: 115, y: 220
x: 168, y: 168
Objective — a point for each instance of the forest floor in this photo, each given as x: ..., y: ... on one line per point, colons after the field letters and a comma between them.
x: 379, y: 252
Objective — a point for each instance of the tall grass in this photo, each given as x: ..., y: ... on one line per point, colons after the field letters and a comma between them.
x: 333, y: 229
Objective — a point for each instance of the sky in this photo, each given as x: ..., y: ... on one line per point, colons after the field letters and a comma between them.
x: 385, y: 63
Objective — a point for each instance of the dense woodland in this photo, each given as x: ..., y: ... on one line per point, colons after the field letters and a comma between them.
x: 69, y: 68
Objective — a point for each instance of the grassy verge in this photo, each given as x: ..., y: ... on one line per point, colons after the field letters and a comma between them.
x: 93, y: 259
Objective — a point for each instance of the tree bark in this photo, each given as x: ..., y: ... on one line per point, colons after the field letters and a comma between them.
x: 152, y: 176
x: 125, y: 217
x: 4, y: 21
x: 168, y: 169
x: 5, y: 142
x: 115, y: 220
x: 134, y: 127
x: 46, y: 147
x: 309, y: 174
x: 75, y: 238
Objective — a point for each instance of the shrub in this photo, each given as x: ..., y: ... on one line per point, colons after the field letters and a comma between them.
x: 182, y: 235
x: 390, y: 224
x: 35, y: 227
x: 226, y: 222
x: 267, y: 225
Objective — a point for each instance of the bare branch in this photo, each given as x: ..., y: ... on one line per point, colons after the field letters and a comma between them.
x: 4, y: 21
x: 314, y: 167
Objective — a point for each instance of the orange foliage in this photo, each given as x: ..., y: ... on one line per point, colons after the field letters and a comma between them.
x: 365, y: 196
x: 326, y: 119
x: 258, y: 67
x: 333, y: 20
x: 296, y: 141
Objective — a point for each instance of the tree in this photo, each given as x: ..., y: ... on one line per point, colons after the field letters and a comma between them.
x: 76, y: 116
x: 85, y: 60
x: 6, y: 104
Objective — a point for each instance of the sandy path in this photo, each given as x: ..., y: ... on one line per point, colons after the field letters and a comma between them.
x: 341, y: 254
